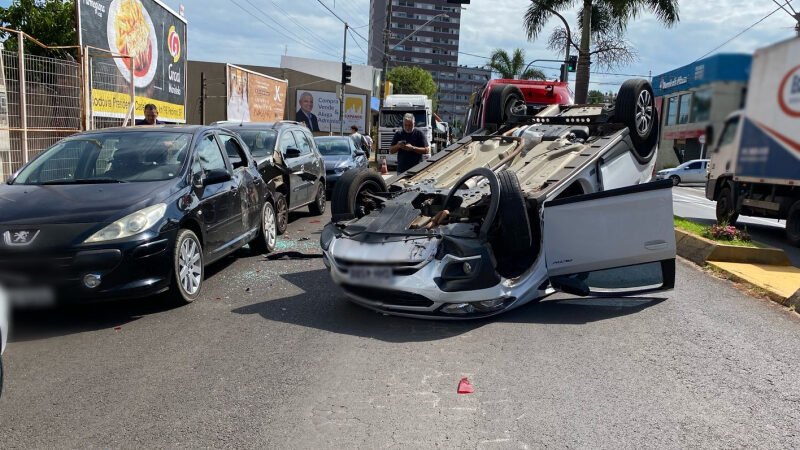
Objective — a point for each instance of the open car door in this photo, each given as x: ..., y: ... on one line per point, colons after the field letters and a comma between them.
x: 612, y: 243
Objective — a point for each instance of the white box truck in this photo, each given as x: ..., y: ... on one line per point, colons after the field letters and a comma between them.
x: 391, y: 121
x: 754, y: 167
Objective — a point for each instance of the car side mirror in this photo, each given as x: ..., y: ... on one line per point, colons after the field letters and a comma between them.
x: 198, y: 179
x: 292, y: 152
x: 710, y: 135
x: 216, y: 176
x: 361, y: 153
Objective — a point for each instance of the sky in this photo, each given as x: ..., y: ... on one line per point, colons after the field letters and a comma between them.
x: 258, y: 32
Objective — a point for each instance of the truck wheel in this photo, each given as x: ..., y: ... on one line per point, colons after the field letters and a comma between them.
x: 349, y: 201
x: 676, y: 180
x: 793, y: 224
x: 499, y: 104
x: 512, y: 242
x: 635, y: 107
x: 725, y: 211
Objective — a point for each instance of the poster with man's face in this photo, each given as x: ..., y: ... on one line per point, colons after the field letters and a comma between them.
x: 322, y: 109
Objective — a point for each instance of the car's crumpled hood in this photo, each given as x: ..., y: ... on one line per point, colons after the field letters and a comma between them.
x: 82, y: 203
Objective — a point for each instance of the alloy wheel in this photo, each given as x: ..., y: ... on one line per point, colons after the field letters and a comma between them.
x: 190, y: 265
x: 644, y: 112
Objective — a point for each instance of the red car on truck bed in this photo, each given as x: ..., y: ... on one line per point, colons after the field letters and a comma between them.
x: 492, y: 105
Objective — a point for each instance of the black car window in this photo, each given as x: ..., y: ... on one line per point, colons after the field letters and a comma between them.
x: 302, y: 142
x: 335, y: 146
x: 260, y: 142
x: 113, y: 156
x: 287, y: 140
x: 235, y: 152
x: 209, y: 156
x: 694, y: 165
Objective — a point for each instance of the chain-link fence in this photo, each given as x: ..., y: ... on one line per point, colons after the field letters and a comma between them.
x: 40, y: 103
x: 112, y: 97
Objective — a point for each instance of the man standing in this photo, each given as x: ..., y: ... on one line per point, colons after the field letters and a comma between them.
x: 359, y: 139
x: 409, y: 144
x: 150, y: 116
x: 304, y: 114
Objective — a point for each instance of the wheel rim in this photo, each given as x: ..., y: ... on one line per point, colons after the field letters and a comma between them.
x: 270, y: 227
x: 282, y: 213
x: 644, y: 113
x: 675, y: 181
x: 190, y: 266
x: 321, y: 198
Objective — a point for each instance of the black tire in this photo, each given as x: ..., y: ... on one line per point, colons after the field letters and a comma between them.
x: 267, y: 236
x: 676, y: 180
x: 635, y: 107
x: 317, y: 208
x: 725, y: 210
x: 499, y: 104
x: 347, y: 202
x: 793, y: 224
x: 188, y: 241
x: 281, y: 213
x: 512, y: 240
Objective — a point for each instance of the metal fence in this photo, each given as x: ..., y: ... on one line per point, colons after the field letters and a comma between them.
x: 105, y: 78
x: 40, y: 104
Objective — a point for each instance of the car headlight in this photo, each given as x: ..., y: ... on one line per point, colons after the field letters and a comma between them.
x: 130, y: 225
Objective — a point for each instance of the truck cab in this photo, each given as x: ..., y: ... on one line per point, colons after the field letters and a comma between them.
x: 722, y: 154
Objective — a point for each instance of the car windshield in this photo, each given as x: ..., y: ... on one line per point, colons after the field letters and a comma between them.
x: 111, y: 157
x: 394, y: 119
x: 332, y: 147
x: 260, y: 142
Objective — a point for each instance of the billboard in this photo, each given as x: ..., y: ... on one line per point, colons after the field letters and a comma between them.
x: 155, y: 37
x: 320, y: 110
x: 254, y: 97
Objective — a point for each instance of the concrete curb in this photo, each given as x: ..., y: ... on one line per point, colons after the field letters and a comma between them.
x: 747, y: 265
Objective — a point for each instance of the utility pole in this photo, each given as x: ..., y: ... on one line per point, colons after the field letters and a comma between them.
x: 341, y: 102
x: 386, y: 50
x: 203, y: 83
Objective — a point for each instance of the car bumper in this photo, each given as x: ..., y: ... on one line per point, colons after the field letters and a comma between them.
x: 412, y: 289
x: 125, y: 270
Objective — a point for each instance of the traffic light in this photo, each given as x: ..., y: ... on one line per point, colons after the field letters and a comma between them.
x: 572, y: 63
x: 347, y: 71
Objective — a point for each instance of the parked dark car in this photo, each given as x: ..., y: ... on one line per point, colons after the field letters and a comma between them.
x: 287, y: 156
x: 130, y: 212
x: 340, y: 155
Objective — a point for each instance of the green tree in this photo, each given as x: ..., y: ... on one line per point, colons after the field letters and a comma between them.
x: 596, y: 97
x: 412, y: 80
x: 512, y: 67
x: 51, y: 22
x: 620, y: 12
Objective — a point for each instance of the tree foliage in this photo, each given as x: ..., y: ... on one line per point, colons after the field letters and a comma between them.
x: 51, y: 22
x: 512, y: 67
x: 607, y: 21
x: 412, y: 80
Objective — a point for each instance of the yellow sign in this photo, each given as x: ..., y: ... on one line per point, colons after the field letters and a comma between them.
x: 116, y: 104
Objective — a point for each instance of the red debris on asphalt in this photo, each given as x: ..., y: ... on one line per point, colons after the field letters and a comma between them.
x: 313, y: 221
x: 117, y: 328
x: 464, y: 386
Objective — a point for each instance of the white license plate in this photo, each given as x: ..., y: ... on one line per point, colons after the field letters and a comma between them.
x: 370, y: 273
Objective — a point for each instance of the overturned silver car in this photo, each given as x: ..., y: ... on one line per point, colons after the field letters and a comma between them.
x: 556, y: 198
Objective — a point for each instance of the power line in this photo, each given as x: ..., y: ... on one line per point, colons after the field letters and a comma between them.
x: 740, y: 33
x: 356, y: 42
x: 271, y: 28
x: 331, y: 11
x: 278, y: 23
x: 287, y: 15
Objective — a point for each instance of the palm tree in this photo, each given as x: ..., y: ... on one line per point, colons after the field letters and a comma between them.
x: 513, y: 67
x: 621, y: 11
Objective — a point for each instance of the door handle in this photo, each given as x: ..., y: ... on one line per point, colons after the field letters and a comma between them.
x: 655, y: 245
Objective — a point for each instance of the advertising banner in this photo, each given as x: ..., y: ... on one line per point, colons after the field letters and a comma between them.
x: 155, y: 37
x: 254, y: 97
x: 320, y: 111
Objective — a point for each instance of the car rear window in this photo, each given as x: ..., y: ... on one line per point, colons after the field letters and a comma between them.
x: 260, y: 142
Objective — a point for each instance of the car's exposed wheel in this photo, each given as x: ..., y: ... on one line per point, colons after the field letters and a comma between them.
x: 793, y: 224
x: 318, y: 207
x: 725, y: 207
x: 502, y: 99
x: 512, y: 239
x: 267, y: 236
x: 187, y: 278
x: 676, y: 180
x: 351, y: 194
x: 635, y: 107
x: 281, y: 213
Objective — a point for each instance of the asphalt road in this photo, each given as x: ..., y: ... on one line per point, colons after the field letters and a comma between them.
x: 690, y: 202
x: 273, y: 356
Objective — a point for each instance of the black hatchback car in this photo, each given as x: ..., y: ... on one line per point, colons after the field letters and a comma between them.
x: 130, y: 212
x: 287, y: 156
